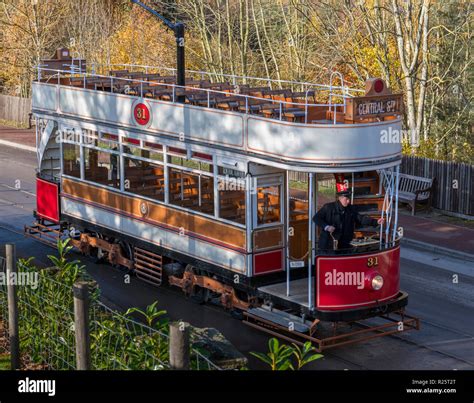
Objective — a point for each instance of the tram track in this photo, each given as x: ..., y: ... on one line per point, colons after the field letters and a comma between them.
x: 9, y: 229
x: 451, y: 341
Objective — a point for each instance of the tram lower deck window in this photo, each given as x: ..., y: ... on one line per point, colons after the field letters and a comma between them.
x: 144, y: 178
x: 232, y: 200
x: 71, y: 160
x: 102, y: 167
x: 192, y: 191
x: 268, y: 204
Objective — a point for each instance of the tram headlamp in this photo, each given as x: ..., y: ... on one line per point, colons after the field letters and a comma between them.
x: 377, y: 282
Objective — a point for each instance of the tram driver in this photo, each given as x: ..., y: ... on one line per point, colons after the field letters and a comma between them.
x: 337, y: 221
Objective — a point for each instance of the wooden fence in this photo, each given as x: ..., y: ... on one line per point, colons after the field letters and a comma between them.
x: 454, y: 186
x: 15, y: 109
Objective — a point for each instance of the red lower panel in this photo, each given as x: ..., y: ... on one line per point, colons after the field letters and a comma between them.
x: 344, y: 282
x: 47, y: 200
x: 267, y: 262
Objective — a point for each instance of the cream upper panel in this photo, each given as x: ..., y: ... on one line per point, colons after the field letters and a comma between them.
x: 343, y: 144
x: 340, y: 143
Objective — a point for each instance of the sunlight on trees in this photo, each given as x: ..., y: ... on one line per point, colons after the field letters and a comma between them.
x: 420, y: 47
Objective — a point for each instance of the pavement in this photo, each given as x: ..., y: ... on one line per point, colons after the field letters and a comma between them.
x: 24, y: 139
x: 431, y: 232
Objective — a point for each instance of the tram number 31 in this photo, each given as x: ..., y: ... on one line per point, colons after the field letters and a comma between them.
x: 141, y: 114
x: 372, y: 261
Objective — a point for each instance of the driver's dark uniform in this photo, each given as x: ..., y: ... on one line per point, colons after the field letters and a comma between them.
x: 343, y: 219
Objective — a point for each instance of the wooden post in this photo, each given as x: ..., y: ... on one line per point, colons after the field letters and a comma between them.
x: 81, y: 325
x: 10, y: 254
x: 179, y: 345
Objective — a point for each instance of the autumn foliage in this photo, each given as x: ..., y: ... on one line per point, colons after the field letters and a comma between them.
x: 421, y: 47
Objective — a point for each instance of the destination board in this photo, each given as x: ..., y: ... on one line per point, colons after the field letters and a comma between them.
x: 374, y: 106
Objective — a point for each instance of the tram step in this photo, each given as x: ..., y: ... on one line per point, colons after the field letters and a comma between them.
x: 47, y: 234
x: 282, y: 318
x: 148, y: 266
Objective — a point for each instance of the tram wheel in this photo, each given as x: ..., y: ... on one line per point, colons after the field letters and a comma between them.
x: 200, y: 295
x: 97, y: 253
x: 127, y: 250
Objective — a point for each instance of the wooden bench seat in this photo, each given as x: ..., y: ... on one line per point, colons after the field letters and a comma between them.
x: 228, y: 103
x: 119, y: 73
x: 301, y: 97
x: 294, y: 115
x: 273, y: 110
x: 367, y: 183
x: 413, y: 189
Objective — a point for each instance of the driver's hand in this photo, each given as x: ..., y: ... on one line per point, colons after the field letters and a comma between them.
x: 380, y: 221
x: 330, y: 228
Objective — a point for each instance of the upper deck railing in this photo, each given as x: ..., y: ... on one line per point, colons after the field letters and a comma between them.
x: 151, y: 84
x: 236, y: 79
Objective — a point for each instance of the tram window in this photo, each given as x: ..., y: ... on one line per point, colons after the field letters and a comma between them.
x: 326, y: 189
x: 232, y: 200
x: 143, y: 153
x: 190, y: 163
x: 105, y: 140
x: 71, y: 160
x: 144, y: 178
x: 298, y: 188
x: 90, y: 137
x: 102, y: 167
x: 192, y: 191
x: 268, y: 204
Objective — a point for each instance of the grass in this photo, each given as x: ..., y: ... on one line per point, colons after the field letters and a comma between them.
x: 4, y: 362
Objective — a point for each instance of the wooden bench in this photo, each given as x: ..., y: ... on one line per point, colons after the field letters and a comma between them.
x: 413, y: 189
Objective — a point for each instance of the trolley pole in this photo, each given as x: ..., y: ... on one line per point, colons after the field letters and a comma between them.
x: 180, y: 60
x: 10, y: 254
x: 178, y: 29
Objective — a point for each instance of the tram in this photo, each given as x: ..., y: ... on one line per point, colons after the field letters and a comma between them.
x: 213, y: 187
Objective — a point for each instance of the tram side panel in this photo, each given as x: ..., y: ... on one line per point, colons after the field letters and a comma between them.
x: 163, y: 226
x: 357, y: 281
x: 198, y: 237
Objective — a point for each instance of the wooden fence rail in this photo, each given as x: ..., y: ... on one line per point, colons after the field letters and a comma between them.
x: 454, y: 186
x: 15, y: 109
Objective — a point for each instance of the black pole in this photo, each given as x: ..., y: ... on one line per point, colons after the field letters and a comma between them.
x: 180, y: 61
x: 178, y: 29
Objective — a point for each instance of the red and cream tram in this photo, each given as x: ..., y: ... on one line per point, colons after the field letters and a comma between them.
x: 217, y: 194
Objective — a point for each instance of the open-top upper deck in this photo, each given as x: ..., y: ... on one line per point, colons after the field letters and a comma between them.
x: 310, y: 125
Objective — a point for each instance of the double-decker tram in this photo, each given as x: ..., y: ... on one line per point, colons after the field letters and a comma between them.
x: 225, y: 187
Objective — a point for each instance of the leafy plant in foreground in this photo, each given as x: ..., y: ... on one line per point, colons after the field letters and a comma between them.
x: 279, y: 356
x: 151, y: 315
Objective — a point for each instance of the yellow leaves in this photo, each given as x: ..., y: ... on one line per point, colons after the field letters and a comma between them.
x: 142, y: 40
